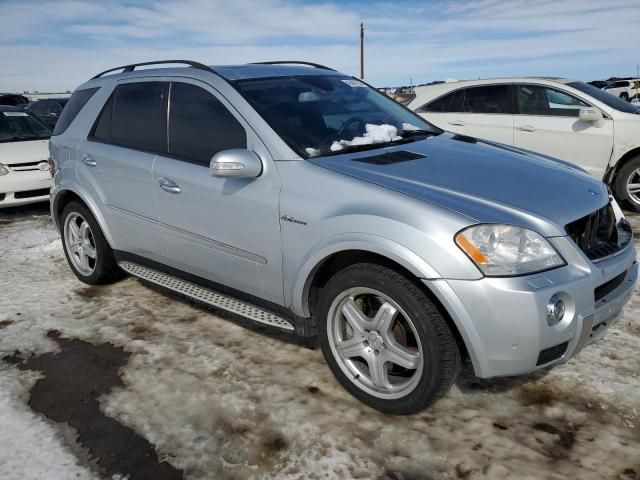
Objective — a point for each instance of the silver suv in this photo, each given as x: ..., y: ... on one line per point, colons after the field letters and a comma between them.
x: 299, y: 198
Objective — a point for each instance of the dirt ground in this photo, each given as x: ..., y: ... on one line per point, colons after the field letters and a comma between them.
x: 123, y: 381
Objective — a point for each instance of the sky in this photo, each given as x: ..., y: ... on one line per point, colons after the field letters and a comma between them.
x: 56, y: 45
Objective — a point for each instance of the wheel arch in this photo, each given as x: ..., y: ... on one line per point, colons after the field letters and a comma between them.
x: 613, y: 170
x: 61, y: 197
x: 337, y: 260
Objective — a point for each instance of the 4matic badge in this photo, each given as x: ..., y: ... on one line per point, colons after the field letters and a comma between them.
x: 287, y: 218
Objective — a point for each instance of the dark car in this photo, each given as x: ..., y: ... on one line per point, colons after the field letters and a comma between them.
x: 47, y: 110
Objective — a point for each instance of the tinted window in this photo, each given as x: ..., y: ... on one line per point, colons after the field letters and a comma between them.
x: 437, y: 106
x: 78, y: 100
x: 538, y: 100
x: 200, y: 126
x: 488, y: 99
x: 135, y: 116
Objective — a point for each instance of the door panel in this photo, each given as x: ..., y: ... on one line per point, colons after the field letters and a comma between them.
x: 224, y: 230
x: 496, y: 128
x: 548, y: 123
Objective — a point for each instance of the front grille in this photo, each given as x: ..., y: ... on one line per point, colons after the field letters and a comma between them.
x: 598, y: 235
x: 606, y: 288
x: 32, y: 193
x: 550, y: 354
x: 26, y: 166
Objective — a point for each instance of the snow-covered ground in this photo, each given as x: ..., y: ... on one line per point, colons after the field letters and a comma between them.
x: 221, y: 401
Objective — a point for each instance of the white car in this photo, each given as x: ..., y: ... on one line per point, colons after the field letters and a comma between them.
x: 625, y: 89
x: 24, y: 152
x: 568, y: 120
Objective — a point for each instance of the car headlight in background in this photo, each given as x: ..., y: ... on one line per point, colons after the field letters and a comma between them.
x: 3, y: 169
x: 506, y: 250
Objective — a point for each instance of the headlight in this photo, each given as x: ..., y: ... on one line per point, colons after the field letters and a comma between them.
x: 505, y: 250
x: 3, y: 170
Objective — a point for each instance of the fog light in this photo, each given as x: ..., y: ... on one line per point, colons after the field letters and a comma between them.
x: 555, y: 310
x: 4, y: 170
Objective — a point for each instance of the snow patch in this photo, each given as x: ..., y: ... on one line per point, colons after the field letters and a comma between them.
x: 374, y: 134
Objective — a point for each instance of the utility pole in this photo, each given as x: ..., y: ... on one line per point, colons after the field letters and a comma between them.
x: 362, y: 50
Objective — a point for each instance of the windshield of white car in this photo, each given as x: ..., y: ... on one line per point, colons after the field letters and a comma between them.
x: 20, y: 126
x: 606, y: 98
x: 331, y: 114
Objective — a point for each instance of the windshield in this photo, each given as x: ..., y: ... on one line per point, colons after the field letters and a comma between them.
x: 606, y: 98
x: 328, y: 114
x: 21, y: 126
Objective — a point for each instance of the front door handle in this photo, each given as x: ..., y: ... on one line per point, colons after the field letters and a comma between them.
x: 168, y: 185
x: 457, y: 123
x: 88, y: 160
x: 526, y: 128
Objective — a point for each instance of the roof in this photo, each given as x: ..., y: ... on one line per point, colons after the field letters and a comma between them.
x: 249, y: 70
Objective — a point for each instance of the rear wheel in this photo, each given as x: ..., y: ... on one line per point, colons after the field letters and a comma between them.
x: 624, y: 96
x: 626, y: 185
x: 385, y: 340
x: 87, y: 251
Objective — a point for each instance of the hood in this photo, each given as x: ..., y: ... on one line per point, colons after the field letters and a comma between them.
x: 487, y: 182
x: 24, y: 151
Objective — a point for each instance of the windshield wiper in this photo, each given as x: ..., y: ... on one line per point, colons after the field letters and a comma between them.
x: 368, y: 146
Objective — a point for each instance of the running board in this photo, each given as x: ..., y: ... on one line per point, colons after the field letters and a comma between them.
x: 206, y: 296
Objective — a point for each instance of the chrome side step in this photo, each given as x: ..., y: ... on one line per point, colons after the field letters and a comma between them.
x: 205, y: 295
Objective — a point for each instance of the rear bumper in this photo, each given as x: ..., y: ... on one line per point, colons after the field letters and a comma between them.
x: 503, y: 321
x: 24, y: 187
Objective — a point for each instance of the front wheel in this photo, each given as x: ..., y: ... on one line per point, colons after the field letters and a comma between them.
x: 385, y: 340
x: 626, y: 185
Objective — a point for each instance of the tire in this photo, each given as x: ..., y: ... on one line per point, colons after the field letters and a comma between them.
x: 418, y: 335
x: 629, y: 173
x: 103, y: 268
x: 624, y: 96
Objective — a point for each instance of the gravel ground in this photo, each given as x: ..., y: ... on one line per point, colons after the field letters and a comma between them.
x: 125, y: 382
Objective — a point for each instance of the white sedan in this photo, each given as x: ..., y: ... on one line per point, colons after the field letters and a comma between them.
x: 569, y: 120
x: 24, y: 169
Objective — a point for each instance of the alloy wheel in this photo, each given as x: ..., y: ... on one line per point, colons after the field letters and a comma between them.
x: 633, y: 186
x: 375, y: 343
x: 80, y: 243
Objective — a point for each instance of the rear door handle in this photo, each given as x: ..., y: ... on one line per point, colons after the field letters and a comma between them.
x: 168, y: 185
x: 88, y: 160
x: 457, y: 123
x: 526, y: 128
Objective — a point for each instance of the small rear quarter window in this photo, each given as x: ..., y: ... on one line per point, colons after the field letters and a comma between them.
x: 78, y: 100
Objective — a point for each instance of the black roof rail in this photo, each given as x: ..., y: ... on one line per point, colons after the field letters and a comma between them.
x: 132, y: 67
x: 293, y: 62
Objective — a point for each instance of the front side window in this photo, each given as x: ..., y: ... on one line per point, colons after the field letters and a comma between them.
x: 487, y: 99
x: 539, y: 100
x: 135, y: 116
x: 21, y: 126
x: 324, y: 114
x: 200, y: 126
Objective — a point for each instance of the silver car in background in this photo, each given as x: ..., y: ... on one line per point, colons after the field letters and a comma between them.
x: 295, y: 197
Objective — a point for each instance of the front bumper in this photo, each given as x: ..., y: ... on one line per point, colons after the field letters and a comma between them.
x: 503, y: 320
x: 23, y: 187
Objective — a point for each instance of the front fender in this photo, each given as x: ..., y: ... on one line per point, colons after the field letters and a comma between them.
x: 353, y: 241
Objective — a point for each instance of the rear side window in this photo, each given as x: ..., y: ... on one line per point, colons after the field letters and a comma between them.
x: 200, y: 126
x: 437, y: 106
x: 487, y: 99
x: 78, y: 100
x: 135, y: 116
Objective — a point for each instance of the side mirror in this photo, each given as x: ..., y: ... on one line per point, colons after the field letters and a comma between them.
x: 235, y: 163
x: 590, y: 114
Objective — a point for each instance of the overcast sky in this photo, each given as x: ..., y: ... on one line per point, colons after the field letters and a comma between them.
x: 56, y: 45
